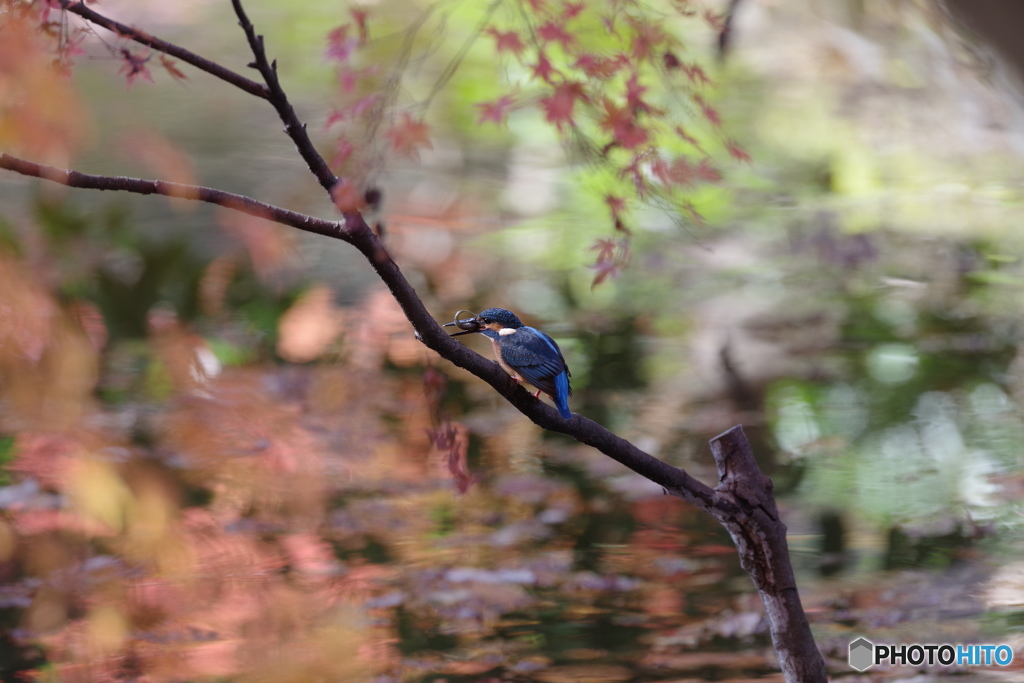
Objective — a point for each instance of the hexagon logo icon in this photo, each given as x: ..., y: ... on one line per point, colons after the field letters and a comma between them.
x: 862, y: 654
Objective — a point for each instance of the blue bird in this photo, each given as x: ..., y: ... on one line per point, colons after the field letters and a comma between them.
x: 526, y: 353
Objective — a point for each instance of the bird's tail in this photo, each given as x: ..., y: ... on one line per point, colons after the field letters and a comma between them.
x: 562, y: 396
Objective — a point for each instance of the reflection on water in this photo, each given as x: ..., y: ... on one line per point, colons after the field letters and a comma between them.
x: 284, y: 518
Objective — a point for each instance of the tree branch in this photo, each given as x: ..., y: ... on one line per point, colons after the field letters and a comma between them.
x: 742, y: 501
x: 748, y: 512
x: 295, y: 129
x: 199, y: 193
x: 252, y: 87
x: 355, y: 231
x: 675, y: 480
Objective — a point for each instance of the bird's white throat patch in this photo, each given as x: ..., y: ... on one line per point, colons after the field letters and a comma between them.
x: 505, y: 331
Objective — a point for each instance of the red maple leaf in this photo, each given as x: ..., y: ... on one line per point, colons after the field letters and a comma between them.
x: 363, y: 105
x: 683, y: 173
x: 683, y: 136
x: 605, y: 269
x: 705, y: 171
x: 169, y: 66
x: 336, y: 116
x: 737, y: 152
x: 605, y: 249
x: 134, y: 66
x: 646, y: 39
x: 496, y: 111
x: 360, y: 15
x: 73, y: 48
x: 599, y: 67
x: 559, y: 107
x: 616, y: 204
x: 543, y: 69
x: 340, y: 45
x: 590, y: 64
x: 710, y: 113
x: 634, y: 91
x: 614, y: 116
x: 507, y: 41
x: 696, y: 74
x: 408, y: 136
x: 660, y: 170
x: 637, y: 171
x: 623, y: 126
x: 552, y: 32
x: 48, y: 5
x: 631, y: 135
x: 447, y: 438
x: 347, y: 79
x: 571, y: 9
x: 343, y: 149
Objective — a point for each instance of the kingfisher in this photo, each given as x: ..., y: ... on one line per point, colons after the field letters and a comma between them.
x: 525, y: 352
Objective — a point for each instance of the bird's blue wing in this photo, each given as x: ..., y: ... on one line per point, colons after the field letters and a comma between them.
x: 537, y: 358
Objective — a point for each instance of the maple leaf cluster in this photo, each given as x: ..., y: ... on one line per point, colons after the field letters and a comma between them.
x: 611, y: 73
x: 631, y: 94
x: 366, y: 114
x: 69, y: 41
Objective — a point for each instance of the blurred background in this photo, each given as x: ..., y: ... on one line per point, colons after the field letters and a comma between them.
x: 224, y: 456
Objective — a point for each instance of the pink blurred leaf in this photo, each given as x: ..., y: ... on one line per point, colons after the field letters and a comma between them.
x: 496, y: 111
x: 340, y: 45
x: 134, y: 66
x: 554, y: 32
x: 409, y: 136
x: 507, y: 41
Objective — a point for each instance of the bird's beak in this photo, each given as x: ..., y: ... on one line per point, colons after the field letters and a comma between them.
x: 464, y: 331
x: 467, y: 325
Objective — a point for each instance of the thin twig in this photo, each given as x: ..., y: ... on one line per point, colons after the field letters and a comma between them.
x: 457, y: 60
x: 187, y: 56
x: 389, y: 89
x: 295, y: 129
x: 199, y: 193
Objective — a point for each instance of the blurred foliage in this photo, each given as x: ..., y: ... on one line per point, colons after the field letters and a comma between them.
x: 288, y: 521
x: 223, y: 455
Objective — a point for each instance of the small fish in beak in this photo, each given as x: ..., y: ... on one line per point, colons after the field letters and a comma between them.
x: 467, y: 325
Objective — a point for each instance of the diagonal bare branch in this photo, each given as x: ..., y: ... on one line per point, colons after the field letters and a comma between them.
x: 675, y: 480
x: 229, y: 200
x: 295, y: 129
x: 355, y: 231
x: 742, y: 500
x: 187, y: 56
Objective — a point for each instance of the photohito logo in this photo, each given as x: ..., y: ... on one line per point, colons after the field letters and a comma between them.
x: 864, y: 654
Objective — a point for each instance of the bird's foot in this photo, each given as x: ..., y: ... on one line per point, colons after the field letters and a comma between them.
x: 536, y: 394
